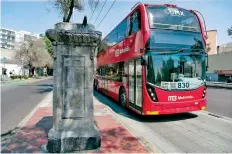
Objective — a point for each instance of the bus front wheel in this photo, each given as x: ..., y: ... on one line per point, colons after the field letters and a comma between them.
x: 122, y: 97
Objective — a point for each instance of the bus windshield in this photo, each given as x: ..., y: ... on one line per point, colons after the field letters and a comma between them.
x: 176, y: 71
x: 162, y: 17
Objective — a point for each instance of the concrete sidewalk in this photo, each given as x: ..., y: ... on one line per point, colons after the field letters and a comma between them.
x: 18, y: 81
x: 31, y: 137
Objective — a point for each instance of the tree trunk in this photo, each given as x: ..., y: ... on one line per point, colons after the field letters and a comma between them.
x: 33, y: 70
x: 30, y: 69
x: 67, y: 19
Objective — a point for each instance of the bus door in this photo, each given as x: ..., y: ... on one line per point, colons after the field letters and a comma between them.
x: 105, y: 79
x: 135, y: 84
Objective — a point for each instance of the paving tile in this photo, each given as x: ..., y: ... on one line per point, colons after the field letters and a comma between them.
x: 5, y: 150
x: 115, y: 137
x: 110, y: 148
x: 31, y: 149
x: 22, y: 147
x: 30, y: 123
x: 39, y: 141
x: 5, y: 141
x: 36, y: 119
x: 142, y: 149
x: 25, y: 137
x: 133, y: 147
x: 15, y: 145
x: 32, y: 130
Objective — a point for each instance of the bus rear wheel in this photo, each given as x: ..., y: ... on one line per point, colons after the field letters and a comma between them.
x: 122, y: 97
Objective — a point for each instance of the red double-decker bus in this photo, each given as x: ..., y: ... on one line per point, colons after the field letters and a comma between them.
x: 154, y: 61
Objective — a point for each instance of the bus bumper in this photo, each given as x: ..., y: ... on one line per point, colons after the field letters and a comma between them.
x: 176, y: 107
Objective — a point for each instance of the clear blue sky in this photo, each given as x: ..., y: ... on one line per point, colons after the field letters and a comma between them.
x: 38, y: 16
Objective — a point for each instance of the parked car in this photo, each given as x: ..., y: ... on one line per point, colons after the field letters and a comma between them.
x: 229, y: 80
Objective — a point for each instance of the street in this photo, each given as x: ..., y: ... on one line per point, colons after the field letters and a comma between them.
x: 220, y: 101
x: 187, y: 132
x: 18, y: 100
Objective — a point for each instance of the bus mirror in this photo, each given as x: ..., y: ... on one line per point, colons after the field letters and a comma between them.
x: 144, y: 60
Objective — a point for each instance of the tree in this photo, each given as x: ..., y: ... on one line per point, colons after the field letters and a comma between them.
x: 33, y: 54
x: 230, y: 31
x: 208, y: 48
x: 48, y: 45
x: 66, y: 7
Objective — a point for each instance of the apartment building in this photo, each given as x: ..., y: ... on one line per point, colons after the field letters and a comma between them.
x: 11, y: 39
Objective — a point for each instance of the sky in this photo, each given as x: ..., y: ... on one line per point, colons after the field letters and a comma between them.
x: 39, y: 15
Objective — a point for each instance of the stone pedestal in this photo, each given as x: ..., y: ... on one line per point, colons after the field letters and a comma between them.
x: 73, y: 124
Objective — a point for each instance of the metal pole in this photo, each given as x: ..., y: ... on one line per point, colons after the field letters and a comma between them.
x: 4, y: 71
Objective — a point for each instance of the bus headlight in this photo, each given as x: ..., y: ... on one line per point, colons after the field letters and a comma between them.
x: 204, y: 93
x: 152, y: 93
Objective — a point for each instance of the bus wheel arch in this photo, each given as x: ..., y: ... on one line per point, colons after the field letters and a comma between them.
x: 122, y: 96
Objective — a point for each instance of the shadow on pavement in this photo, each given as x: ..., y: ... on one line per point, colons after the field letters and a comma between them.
x: 45, y: 124
x: 45, y: 85
x: 115, y: 106
x: 45, y: 88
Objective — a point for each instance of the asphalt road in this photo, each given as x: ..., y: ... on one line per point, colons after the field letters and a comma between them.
x: 18, y: 100
x: 196, y: 132
x: 220, y: 101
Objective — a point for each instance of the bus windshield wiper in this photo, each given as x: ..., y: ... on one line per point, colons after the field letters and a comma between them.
x: 177, y: 50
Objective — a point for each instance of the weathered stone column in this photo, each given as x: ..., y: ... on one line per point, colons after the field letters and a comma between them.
x: 73, y: 124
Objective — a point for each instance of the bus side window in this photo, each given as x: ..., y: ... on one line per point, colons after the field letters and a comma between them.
x: 122, y: 30
x: 134, y: 22
x: 102, y: 72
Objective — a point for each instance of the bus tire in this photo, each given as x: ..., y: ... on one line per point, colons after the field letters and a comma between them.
x: 122, y: 97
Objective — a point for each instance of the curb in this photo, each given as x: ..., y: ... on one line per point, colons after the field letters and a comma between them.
x: 150, y: 147
x: 30, y: 80
x: 217, y: 115
x: 219, y: 86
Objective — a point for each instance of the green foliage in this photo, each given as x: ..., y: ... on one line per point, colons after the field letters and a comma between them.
x: 48, y: 45
x: 66, y: 7
x: 208, y: 48
x: 25, y: 77
x: 19, y: 77
x: 13, y: 77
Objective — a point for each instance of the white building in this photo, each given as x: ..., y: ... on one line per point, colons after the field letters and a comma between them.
x: 11, y: 39
x: 224, y: 48
x: 7, y: 38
